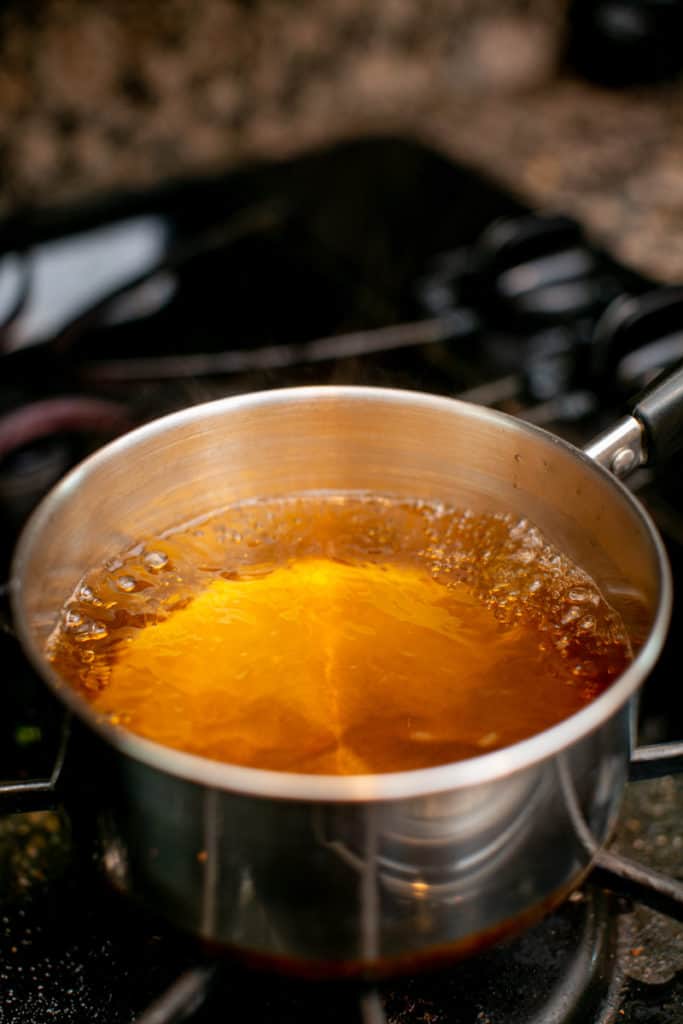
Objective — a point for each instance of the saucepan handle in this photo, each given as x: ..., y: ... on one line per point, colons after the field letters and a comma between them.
x: 652, y: 433
x: 660, y: 410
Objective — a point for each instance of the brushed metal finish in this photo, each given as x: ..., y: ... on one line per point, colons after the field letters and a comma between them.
x: 620, y: 449
x: 364, y: 871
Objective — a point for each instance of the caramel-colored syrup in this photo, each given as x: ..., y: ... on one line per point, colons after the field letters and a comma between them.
x: 340, y: 634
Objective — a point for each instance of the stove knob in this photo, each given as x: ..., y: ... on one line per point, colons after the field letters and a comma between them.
x: 523, y: 274
x: 636, y: 338
x: 512, y: 259
x: 626, y: 42
x: 512, y: 240
x: 533, y: 271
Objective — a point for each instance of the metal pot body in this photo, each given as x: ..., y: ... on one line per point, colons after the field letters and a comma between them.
x: 367, y: 872
x: 324, y: 888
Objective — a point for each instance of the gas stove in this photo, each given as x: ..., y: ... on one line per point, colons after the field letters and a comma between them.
x: 376, y: 262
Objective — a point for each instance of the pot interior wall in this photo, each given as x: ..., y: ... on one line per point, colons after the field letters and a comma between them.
x: 278, y: 443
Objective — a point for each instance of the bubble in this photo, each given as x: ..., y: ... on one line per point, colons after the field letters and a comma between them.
x: 73, y: 620
x: 88, y: 595
x: 585, y: 669
x: 519, y: 530
x: 126, y: 583
x: 155, y: 560
x: 112, y: 564
x: 89, y: 680
x: 586, y: 625
x: 571, y: 615
x: 89, y: 629
x: 526, y: 556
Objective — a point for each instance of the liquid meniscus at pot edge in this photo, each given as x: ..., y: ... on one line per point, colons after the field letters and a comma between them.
x: 340, y: 634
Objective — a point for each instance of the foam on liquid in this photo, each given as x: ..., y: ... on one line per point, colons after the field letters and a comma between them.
x: 340, y: 634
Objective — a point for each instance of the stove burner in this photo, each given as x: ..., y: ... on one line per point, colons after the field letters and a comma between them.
x: 560, y: 971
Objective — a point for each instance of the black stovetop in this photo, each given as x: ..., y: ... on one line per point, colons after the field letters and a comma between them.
x: 378, y: 262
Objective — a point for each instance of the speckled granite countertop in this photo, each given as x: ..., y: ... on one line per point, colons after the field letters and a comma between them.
x: 124, y: 94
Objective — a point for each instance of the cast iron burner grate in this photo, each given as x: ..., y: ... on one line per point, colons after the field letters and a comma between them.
x: 378, y: 262
x: 560, y: 971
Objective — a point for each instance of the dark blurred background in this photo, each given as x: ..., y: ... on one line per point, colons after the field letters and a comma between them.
x: 577, y: 106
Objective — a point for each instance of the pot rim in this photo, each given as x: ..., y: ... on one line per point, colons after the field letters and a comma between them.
x: 351, y: 788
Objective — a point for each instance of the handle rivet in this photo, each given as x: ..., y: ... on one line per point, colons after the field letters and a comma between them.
x: 623, y: 461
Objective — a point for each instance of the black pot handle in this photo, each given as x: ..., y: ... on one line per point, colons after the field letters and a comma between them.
x: 652, y: 433
x: 660, y: 410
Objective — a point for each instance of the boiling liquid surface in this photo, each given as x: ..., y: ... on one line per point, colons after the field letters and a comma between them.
x: 340, y: 634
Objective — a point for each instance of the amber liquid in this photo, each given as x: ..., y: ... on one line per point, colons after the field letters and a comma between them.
x: 340, y: 634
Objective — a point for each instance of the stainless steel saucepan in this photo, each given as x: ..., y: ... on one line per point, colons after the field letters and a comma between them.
x: 361, y: 873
